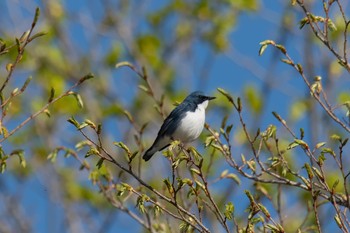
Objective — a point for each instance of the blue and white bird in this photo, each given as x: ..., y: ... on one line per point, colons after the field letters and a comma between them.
x: 185, y: 123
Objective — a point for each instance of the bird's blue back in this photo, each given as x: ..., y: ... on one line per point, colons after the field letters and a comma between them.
x: 173, y: 120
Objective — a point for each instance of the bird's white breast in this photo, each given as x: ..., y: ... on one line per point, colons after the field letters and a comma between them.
x: 192, y: 124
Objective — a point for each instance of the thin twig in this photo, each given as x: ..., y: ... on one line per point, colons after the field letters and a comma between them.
x: 34, y: 115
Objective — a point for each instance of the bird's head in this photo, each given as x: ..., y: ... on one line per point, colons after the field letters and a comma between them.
x: 198, y: 98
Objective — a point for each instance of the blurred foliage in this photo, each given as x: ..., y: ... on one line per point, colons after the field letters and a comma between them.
x: 125, y: 105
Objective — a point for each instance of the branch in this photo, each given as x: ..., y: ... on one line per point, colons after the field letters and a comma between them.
x: 34, y: 115
x: 322, y: 36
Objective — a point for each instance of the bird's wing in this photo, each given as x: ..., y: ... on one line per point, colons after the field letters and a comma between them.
x: 168, y: 128
x: 173, y: 120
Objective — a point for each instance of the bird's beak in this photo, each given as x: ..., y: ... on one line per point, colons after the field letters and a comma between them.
x: 211, y: 98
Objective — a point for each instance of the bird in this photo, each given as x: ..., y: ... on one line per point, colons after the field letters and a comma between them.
x: 185, y: 123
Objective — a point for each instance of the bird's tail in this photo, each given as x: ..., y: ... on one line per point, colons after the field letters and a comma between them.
x: 157, y: 146
x: 149, y: 153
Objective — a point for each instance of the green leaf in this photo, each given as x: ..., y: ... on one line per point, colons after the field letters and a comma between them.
x: 318, y: 173
x: 229, y: 210
x: 234, y: 177
x: 14, y: 92
x: 99, y: 129
x: 262, y: 49
x: 92, y: 151
x: 9, y: 67
x: 200, y: 185
x: 156, y: 211
x: 300, y: 68
x: 80, y: 145
x: 36, y: 16
x: 251, y: 165
x: 53, y: 155
x: 84, y: 165
x: 281, y: 48
x: 335, y: 184
x: 79, y: 100
x: 239, y: 104
x: 174, y: 144
x: 68, y: 153
x: 128, y: 115
x: 168, y: 185
x: 140, y: 203
x: 338, y: 221
x: 82, y: 126
x: 37, y: 35
x: 264, y: 45
x: 52, y: 95
x: 224, y: 173
x: 303, y: 22
x: 120, y: 189
x: 2, y: 154
x: 123, y: 63
x: 335, y: 137
x: 327, y: 150
x: 187, y: 181
x: 20, y: 154
x: 194, y: 170
x: 331, y: 25
x: 18, y: 44
x: 320, y: 144
x: 244, y: 161
x: 2, y: 46
x: 93, y: 176
x: 124, y: 147
x: 257, y: 220
x: 270, y: 132
x: 267, y: 42
x: 316, y: 87
x: 209, y: 140
x: 196, y: 154
x: 185, y: 227
x: 301, y: 143
x: 145, y: 89
x: 321, y: 159
x: 344, y: 142
x: 86, y: 77
x: 264, y: 210
x: 301, y: 133
x: 227, y: 95
x: 250, y: 196
x: 100, y: 163
x: 26, y: 83
x: 224, y: 121
x: 3, y: 166
x: 228, y: 129
x: 273, y: 228
x: 287, y: 61
x: 73, y: 122
x: 90, y: 123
